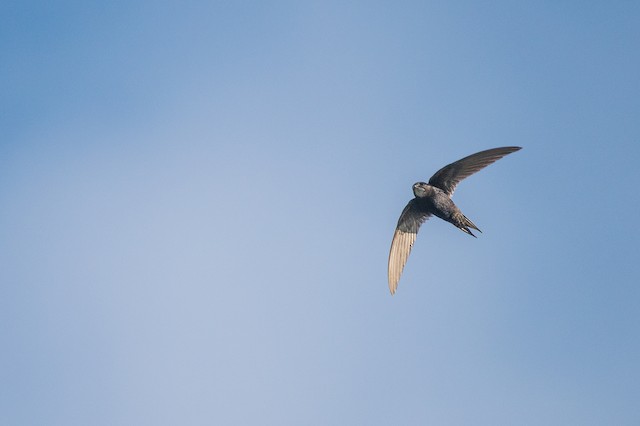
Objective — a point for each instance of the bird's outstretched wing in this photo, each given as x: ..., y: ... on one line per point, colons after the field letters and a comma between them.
x: 410, y: 220
x: 449, y: 176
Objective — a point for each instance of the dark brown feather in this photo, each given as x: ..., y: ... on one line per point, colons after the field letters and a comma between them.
x: 404, y: 236
x: 448, y: 177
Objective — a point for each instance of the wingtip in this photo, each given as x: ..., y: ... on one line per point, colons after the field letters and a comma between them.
x: 509, y: 149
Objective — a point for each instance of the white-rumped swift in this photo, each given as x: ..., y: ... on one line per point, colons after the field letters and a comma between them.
x: 434, y: 198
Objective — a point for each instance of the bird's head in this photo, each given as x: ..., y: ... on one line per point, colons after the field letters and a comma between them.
x: 421, y: 189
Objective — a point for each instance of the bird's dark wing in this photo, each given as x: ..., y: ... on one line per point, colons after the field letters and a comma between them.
x: 410, y: 220
x: 449, y: 176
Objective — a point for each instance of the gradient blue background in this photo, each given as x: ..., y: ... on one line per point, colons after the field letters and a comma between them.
x: 197, y: 201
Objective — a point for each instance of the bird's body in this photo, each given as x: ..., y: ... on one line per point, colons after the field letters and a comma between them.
x: 435, y: 201
x: 434, y: 198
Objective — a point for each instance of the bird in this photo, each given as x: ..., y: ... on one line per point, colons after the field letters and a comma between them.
x: 434, y: 198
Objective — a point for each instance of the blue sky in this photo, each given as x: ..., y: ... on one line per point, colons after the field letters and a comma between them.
x: 198, y: 200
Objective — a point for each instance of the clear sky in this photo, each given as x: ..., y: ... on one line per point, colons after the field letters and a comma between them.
x: 197, y: 201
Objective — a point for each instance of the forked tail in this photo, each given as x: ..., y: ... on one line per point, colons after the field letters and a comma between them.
x: 464, y: 224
